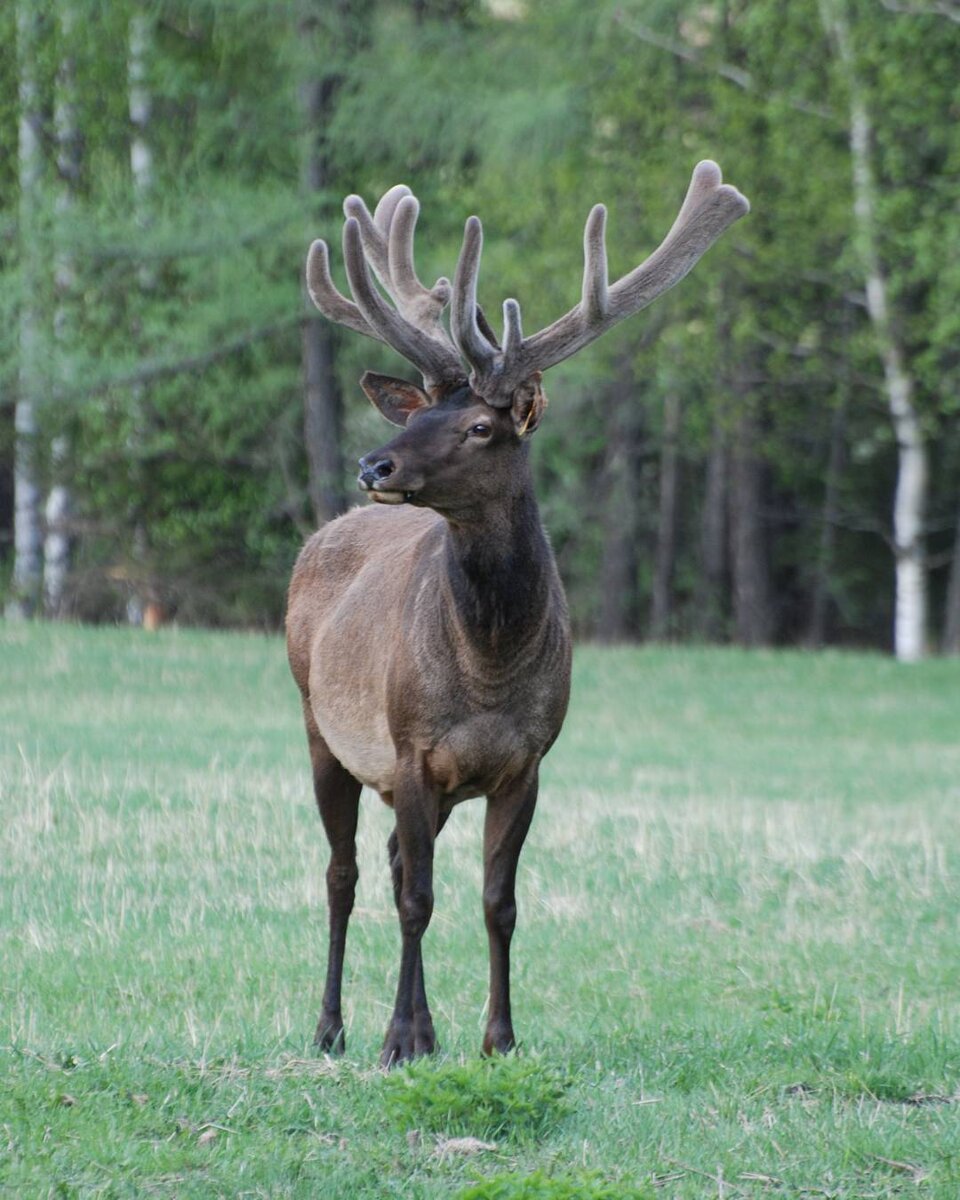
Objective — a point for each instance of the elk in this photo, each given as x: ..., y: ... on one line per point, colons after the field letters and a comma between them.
x: 428, y: 633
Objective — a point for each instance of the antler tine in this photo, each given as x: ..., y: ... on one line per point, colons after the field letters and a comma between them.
x: 422, y: 302
x: 594, y: 299
x: 372, y: 233
x: 436, y: 360
x: 324, y: 293
x: 387, y: 206
x: 473, y: 345
x: 384, y: 241
x: 512, y: 333
x: 706, y: 179
x: 387, y: 238
x: 388, y: 245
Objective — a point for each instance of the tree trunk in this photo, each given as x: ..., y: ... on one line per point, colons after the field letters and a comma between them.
x: 56, y: 543
x: 910, y: 623
x: 28, y: 525
x: 621, y: 477
x: 323, y: 420
x: 56, y: 546
x: 752, y: 607
x: 951, y: 615
x: 710, y: 590
x: 139, y: 47
x: 820, y: 598
x: 140, y: 39
x: 323, y: 399
x: 661, y: 608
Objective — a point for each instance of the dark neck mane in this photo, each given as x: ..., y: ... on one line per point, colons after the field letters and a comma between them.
x: 500, y: 570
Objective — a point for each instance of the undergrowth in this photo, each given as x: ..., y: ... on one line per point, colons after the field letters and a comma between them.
x: 491, y: 1098
x: 581, y: 1185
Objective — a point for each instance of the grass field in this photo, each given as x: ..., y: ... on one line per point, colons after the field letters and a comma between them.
x: 737, y: 965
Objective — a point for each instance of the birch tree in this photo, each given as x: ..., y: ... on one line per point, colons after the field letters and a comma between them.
x: 28, y: 522
x: 56, y: 546
x: 141, y: 171
x: 910, y: 609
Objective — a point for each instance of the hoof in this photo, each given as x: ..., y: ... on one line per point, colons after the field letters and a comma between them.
x: 407, y: 1040
x: 330, y: 1036
x: 499, y: 1039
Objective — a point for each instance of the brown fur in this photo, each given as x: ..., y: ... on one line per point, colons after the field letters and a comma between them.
x: 432, y: 648
x: 432, y: 653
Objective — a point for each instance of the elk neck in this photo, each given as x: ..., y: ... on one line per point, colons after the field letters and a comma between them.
x: 499, y: 570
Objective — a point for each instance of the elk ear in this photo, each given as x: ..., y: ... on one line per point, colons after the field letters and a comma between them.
x: 529, y: 405
x: 396, y: 399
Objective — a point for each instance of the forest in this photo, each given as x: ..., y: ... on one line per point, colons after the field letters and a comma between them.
x: 769, y: 455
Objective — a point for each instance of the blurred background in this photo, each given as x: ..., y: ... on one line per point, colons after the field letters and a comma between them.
x: 768, y: 455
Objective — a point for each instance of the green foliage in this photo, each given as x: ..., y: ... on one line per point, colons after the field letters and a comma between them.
x: 178, y: 380
x: 540, y: 1185
x: 512, y: 1097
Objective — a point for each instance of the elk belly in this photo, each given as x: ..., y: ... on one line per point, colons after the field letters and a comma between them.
x: 346, y: 698
x: 363, y: 747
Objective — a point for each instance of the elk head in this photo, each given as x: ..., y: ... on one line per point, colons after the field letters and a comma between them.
x: 470, y: 422
x: 453, y: 455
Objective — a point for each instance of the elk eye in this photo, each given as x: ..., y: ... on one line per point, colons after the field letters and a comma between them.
x: 479, y: 431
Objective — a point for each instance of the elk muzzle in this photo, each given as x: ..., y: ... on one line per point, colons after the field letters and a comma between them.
x: 372, y: 473
x: 376, y: 472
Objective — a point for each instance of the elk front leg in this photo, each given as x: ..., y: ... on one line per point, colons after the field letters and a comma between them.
x: 423, y: 1033
x: 509, y: 813
x: 410, y: 1031
x: 338, y: 798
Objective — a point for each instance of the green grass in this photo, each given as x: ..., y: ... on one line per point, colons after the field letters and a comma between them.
x: 737, y: 966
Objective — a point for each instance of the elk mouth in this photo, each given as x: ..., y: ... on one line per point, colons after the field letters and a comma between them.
x: 384, y: 497
x: 382, y: 483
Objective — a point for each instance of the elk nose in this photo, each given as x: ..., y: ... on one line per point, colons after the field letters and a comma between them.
x: 371, y: 473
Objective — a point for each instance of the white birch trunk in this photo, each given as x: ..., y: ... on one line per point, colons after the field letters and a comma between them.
x: 56, y: 543
x: 56, y: 546
x: 28, y: 526
x: 141, y: 153
x: 910, y: 620
x: 141, y: 170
